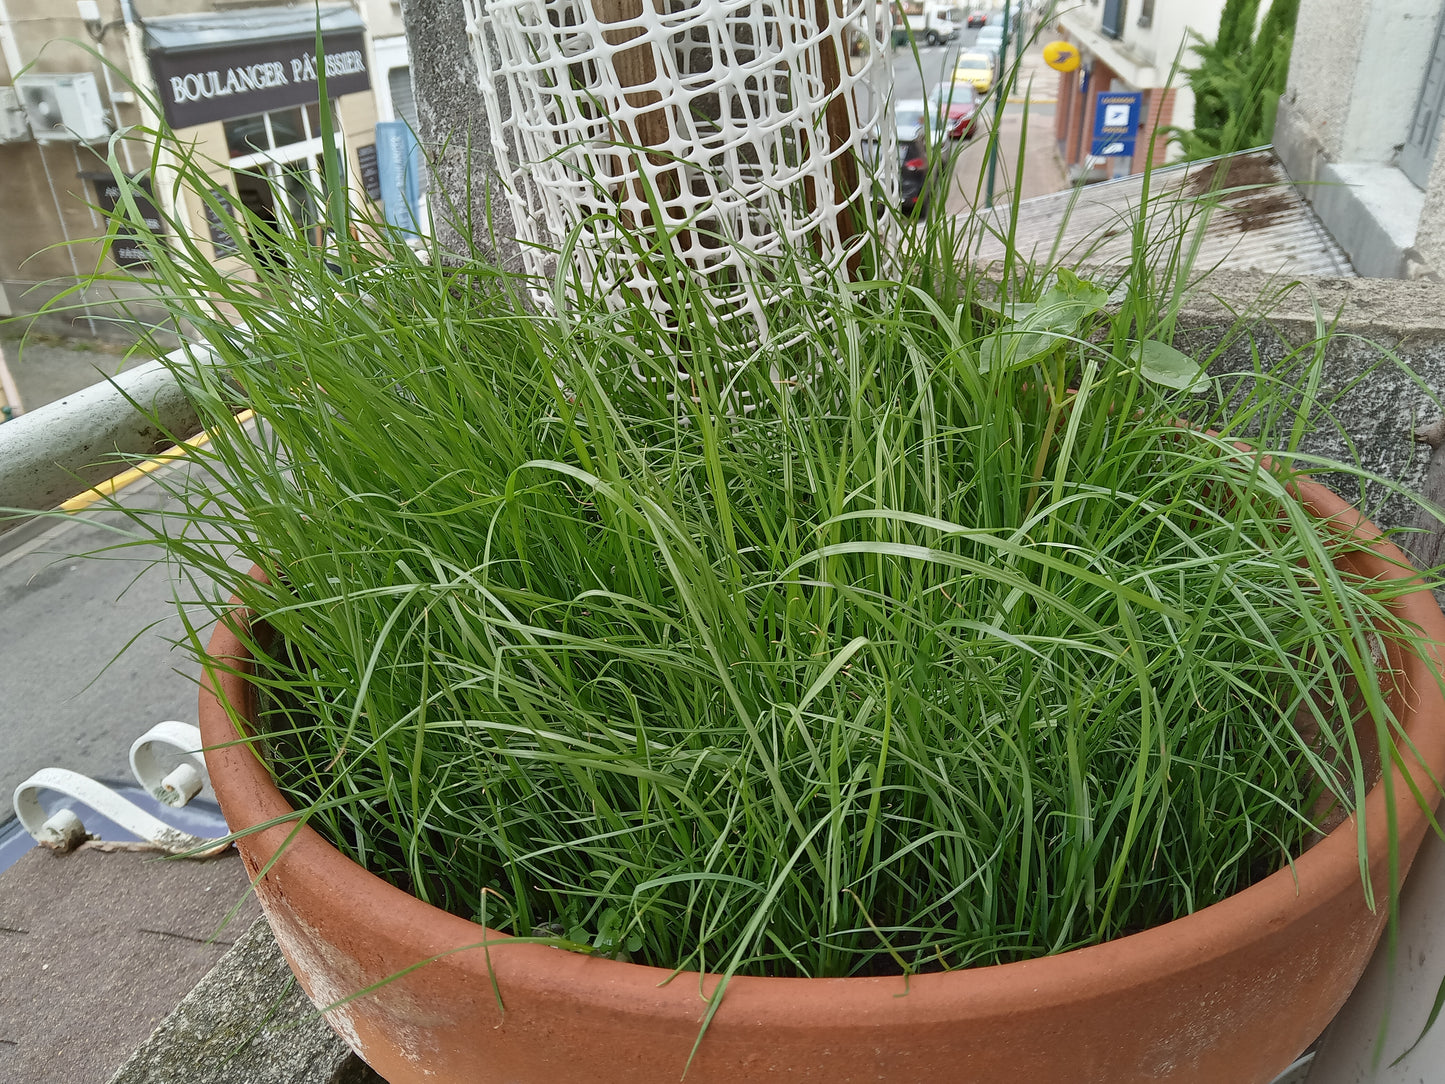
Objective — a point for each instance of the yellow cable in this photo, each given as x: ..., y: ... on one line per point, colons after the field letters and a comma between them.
x: 111, y: 486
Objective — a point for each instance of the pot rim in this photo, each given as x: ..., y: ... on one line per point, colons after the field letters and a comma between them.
x: 1313, y: 882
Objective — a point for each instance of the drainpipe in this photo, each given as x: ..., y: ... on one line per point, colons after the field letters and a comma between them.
x: 89, y: 12
x: 170, y: 205
x: 116, y: 100
x: 11, y: 50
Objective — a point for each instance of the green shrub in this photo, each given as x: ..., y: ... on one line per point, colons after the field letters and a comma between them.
x: 1239, y: 79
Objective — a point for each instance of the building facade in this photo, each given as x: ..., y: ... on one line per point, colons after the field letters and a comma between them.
x: 395, y: 99
x: 237, y: 82
x: 1128, y: 45
x: 1359, y: 126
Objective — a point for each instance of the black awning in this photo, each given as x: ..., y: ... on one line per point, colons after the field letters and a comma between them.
x: 216, y: 66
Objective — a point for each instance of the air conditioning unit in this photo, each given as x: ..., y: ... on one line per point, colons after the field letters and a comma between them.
x: 63, y: 107
x: 13, y: 128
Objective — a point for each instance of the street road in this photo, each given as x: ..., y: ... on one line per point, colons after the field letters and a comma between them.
x: 86, y: 657
x: 916, y: 75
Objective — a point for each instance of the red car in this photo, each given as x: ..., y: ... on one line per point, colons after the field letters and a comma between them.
x: 961, y: 101
x: 977, y: 18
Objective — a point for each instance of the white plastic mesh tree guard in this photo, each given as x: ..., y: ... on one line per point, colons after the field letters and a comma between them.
x: 739, y: 129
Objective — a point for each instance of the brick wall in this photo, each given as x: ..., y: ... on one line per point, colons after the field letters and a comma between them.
x: 1068, y: 102
x: 1157, y: 112
x: 1101, y: 78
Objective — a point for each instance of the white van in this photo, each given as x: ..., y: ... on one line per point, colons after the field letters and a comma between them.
x: 931, y: 22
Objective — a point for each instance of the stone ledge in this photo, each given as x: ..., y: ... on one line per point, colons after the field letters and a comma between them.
x: 1389, y: 311
x: 97, y: 948
x: 246, y: 1022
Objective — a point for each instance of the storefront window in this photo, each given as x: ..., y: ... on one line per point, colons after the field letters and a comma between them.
x: 278, y: 170
x: 246, y: 136
x: 272, y: 131
x: 287, y: 126
x: 285, y: 197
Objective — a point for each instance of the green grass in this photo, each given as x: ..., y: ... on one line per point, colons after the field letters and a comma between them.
x: 928, y: 639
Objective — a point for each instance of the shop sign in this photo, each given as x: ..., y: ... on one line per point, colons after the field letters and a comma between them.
x: 129, y: 248
x: 1116, y: 123
x: 370, y: 171
x: 1062, y: 56
x: 219, y: 226
x: 198, y: 86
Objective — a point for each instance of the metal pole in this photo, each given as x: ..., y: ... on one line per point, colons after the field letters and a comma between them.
x: 997, y: 109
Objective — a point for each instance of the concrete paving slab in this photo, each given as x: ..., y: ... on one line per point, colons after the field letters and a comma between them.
x: 97, y: 948
x: 87, y: 643
x: 1037, y: 82
x: 1041, y: 172
x: 247, y: 1022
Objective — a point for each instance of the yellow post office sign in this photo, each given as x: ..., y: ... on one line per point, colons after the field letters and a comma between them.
x: 1061, y: 56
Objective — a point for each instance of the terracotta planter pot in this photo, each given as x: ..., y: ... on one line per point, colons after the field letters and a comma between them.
x: 1229, y: 995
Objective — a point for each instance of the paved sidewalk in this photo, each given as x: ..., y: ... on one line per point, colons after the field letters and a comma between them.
x: 1042, y: 173
x: 41, y: 369
x: 1037, y: 82
x: 97, y: 948
x: 87, y: 644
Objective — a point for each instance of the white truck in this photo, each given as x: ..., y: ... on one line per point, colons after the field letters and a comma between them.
x: 930, y: 22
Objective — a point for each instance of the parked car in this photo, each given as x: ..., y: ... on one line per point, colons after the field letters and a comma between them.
x: 975, y: 68
x: 921, y: 157
x: 918, y: 175
x: 909, y: 117
x: 990, y: 39
x: 959, y: 103
x: 977, y: 18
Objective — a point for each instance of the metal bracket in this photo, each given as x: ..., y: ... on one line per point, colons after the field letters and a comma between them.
x: 183, y: 782
x: 63, y: 831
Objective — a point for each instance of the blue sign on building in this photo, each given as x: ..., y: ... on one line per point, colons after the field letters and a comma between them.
x: 1116, y: 123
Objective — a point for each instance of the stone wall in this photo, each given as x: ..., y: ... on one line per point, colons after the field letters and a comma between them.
x: 1383, y: 373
